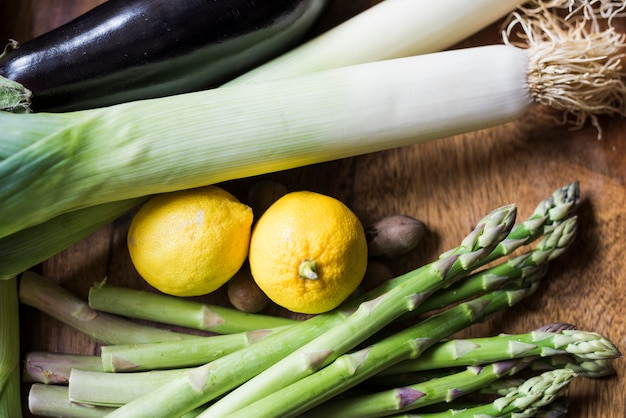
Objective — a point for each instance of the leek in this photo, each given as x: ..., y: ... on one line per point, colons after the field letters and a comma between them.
x: 417, y: 28
x: 407, y: 27
x: 161, y: 145
x: 10, y: 400
x: 35, y: 244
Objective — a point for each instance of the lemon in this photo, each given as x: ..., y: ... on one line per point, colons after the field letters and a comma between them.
x: 308, y: 252
x: 190, y: 242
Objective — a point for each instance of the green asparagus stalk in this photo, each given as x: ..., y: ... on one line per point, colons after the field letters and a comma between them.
x: 116, y: 389
x: 205, y: 383
x: 53, y: 401
x: 49, y: 297
x: 54, y: 368
x: 593, y: 369
x: 558, y: 408
x: 10, y: 400
x: 353, y: 368
x: 166, y: 309
x: 528, y: 399
x: 585, y: 345
x: 176, y: 354
x: 406, y: 398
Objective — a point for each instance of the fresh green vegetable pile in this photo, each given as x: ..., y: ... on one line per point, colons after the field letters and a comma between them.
x: 345, y: 360
x: 383, y: 353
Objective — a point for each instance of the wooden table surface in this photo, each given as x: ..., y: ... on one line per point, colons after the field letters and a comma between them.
x: 449, y: 184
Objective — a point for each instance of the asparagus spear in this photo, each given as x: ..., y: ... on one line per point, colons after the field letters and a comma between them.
x: 53, y: 401
x: 48, y: 297
x: 585, y: 345
x: 116, y: 389
x: 556, y: 409
x: 406, y: 398
x: 54, y: 368
x: 351, y: 369
x: 193, y: 352
x: 175, y: 354
x: 209, y: 381
x: 592, y: 369
x: 10, y: 401
x: 528, y: 399
x: 595, y: 368
x: 172, y: 310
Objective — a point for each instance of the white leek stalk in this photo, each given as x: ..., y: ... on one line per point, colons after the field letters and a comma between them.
x: 389, y: 29
x: 10, y: 399
x: 186, y: 141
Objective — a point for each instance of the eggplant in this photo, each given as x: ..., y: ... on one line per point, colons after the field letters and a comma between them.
x: 126, y: 50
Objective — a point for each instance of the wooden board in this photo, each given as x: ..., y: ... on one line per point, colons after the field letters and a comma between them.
x: 448, y: 183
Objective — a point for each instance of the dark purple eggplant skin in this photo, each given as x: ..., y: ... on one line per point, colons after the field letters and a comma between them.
x: 124, y: 50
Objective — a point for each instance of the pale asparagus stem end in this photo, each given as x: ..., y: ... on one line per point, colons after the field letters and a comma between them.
x: 54, y: 368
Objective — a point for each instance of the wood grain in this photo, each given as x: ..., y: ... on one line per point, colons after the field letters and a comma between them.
x: 449, y: 183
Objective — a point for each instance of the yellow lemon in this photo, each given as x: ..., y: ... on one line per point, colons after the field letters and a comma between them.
x: 190, y: 242
x: 308, y: 252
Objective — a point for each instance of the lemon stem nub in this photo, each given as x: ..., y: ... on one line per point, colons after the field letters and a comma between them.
x: 308, y: 270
